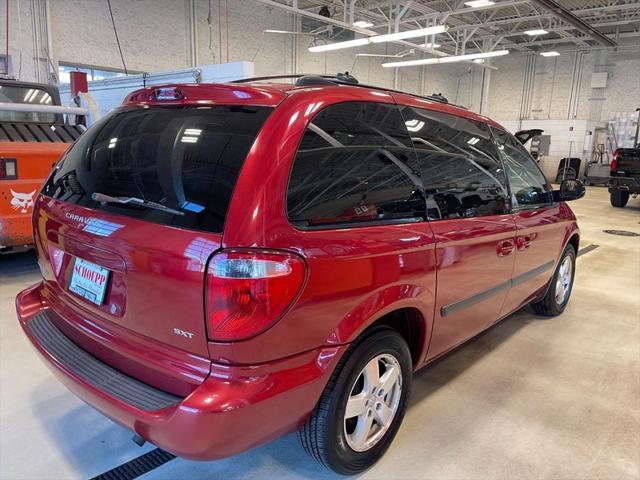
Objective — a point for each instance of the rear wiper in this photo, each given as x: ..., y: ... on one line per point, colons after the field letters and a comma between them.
x: 101, y: 197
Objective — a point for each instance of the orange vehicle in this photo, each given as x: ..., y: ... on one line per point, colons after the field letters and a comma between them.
x: 33, y: 136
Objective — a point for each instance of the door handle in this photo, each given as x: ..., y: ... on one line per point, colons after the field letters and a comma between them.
x: 505, y: 248
x: 523, y: 242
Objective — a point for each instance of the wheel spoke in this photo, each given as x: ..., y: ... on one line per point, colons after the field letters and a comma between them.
x: 361, y: 433
x: 371, y: 375
x: 356, y: 405
x: 389, y: 379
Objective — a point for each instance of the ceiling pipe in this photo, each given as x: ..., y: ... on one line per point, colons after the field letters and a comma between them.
x: 581, y: 25
x: 6, y: 57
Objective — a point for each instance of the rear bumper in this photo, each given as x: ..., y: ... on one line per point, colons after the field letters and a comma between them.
x: 234, y: 409
x: 626, y: 184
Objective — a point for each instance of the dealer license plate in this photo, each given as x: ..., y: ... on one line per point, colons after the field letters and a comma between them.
x: 89, y: 281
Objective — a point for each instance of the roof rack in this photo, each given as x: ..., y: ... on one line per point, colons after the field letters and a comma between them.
x: 307, y: 79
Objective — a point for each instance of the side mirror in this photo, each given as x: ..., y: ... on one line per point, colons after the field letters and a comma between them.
x: 570, y: 189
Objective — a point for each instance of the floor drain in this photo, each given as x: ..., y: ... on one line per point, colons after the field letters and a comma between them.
x: 622, y: 233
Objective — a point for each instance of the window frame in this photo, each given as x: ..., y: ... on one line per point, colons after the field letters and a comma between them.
x: 520, y: 208
x: 364, y: 223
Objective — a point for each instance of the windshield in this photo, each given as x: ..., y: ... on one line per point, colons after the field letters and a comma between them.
x: 20, y: 94
x: 186, y: 159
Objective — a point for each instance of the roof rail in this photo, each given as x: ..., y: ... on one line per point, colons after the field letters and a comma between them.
x: 339, y: 78
x: 307, y: 79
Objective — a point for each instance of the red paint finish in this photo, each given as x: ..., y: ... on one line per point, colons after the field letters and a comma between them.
x: 542, y: 234
x: 470, y: 261
x: 157, y: 271
x: 232, y: 410
x: 240, y: 394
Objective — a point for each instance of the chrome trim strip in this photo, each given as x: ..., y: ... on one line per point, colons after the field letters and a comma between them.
x: 479, y: 297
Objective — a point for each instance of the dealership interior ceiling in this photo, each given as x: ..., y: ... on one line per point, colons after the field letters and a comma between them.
x: 523, y: 25
x: 241, y: 269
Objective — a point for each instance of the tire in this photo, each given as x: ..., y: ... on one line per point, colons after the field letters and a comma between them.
x: 555, y: 300
x: 619, y: 198
x: 331, y: 438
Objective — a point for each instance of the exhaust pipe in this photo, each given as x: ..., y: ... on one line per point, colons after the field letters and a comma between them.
x: 138, y: 440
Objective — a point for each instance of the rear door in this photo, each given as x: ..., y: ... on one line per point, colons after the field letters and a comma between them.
x: 128, y: 265
x: 467, y: 204
x: 538, y: 220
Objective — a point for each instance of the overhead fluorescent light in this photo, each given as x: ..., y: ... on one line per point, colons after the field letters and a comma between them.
x: 414, y: 125
x: 533, y: 33
x: 390, y: 37
x: 362, y: 24
x: 358, y: 42
x: 430, y: 45
x: 549, y: 54
x: 479, y: 3
x: 479, y: 60
x: 450, y: 59
x: 420, y: 32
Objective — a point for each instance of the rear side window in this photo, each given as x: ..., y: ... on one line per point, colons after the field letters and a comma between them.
x: 460, y: 165
x: 187, y: 160
x: 529, y: 187
x: 355, y: 164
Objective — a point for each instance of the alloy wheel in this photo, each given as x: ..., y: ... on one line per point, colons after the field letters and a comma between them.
x: 373, y: 402
x: 563, y: 282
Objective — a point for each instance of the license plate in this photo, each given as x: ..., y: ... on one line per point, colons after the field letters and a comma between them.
x: 89, y: 281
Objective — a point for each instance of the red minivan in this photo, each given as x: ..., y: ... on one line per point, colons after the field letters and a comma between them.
x: 226, y: 263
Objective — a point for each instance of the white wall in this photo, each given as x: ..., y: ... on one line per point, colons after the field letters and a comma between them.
x: 154, y: 37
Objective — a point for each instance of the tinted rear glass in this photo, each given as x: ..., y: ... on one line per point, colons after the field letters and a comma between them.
x: 35, y: 96
x: 186, y: 159
x: 355, y: 164
x: 461, y: 169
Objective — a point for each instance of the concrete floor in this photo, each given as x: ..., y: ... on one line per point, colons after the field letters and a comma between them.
x: 530, y: 398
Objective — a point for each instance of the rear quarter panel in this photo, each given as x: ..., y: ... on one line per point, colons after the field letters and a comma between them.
x: 355, y: 275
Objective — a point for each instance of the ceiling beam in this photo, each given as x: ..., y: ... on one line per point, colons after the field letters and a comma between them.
x: 461, y: 11
x: 363, y: 31
x: 581, y: 25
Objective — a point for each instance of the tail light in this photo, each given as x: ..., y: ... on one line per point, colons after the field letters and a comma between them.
x: 249, y: 290
x: 8, y: 169
x: 614, y: 161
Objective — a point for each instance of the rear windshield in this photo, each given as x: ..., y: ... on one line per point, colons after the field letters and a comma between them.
x: 35, y: 96
x: 184, y: 159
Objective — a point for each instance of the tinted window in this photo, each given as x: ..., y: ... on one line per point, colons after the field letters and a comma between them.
x: 461, y: 170
x: 355, y: 163
x: 34, y: 96
x: 186, y: 159
x: 527, y: 183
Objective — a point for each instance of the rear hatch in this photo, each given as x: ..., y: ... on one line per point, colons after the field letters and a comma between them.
x: 128, y: 219
x: 627, y: 162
